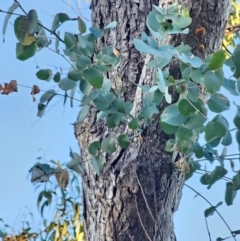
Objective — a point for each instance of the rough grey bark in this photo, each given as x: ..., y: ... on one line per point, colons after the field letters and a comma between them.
x: 136, y: 195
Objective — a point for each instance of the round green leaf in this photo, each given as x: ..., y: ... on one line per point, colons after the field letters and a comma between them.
x: 218, y: 103
x: 108, y: 145
x: 69, y: 40
x: 198, y: 150
x: 75, y: 75
x: 195, y: 121
x: 172, y: 116
x: 213, y: 80
x: 185, y: 108
x: 238, y: 136
x: 66, y: 84
x: 113, y: 119
x: 236, y: 62
x: 44, y: 74
x: 123, y: 141
x: 85, y: 87
x: 94, y: 147
x: 32, y: 21
x: 93, y: 77
x: 98, y: 162
x: 25, y: 52
x: 133, y: 124
x: 227, y: 139
x: 168, y: 129
x: 217, y: 60
x: 214, y: 130
x: 230, y: 194
x: 57, y: 77
x: 81, y: 25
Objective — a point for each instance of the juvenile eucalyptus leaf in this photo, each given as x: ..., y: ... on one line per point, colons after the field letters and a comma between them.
x: 214, y: 130
x: 98, y: 163
x: 75, y: 75
x: 218, y: 103
x: 217, y: 60
x: 66, y: 84
x: 81, y: 25
x: 218, y: 173
x: 47, y: 96
x: 192, y: 60
x: 168, y: 129
x: 236, y: 62
x: 94, y: 147
x: 213, y: 80
x: 113, y: 119
x: 236, y: 119
x: 58, y: 20
x: 11, y: 9
x: 236, y: 181
x: 56, y: 77
x: 108, y: 145
x: 195, y: 121
x: 69, y: 40
x: 25, y: 52
x: 230, y: 194
x: 44, y: 74
x: 111, y: 25
x: 32, y: 21
x: 148, y: 111
x: 123, y: 141
x: 210, y: 211
x: 172, y: 116
x: 85, y: 87
x: 185, y: 107
x: 41, y: 109
x: 128, y: 107
x: 166, y: 51
x: 227, y: 139
x: 133, y: 124
x: 193, y: 166
x: 93, y: 77
x: 76, y: 163
x: 97, y: 33
x: 82, y: 115
x: 230, y: 85
x: 238, y: 136
x: 198, y: 150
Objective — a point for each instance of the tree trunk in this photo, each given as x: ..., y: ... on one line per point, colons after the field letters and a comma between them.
x: 136, y: 194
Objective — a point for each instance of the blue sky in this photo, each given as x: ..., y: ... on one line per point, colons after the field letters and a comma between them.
x: 24, y: 136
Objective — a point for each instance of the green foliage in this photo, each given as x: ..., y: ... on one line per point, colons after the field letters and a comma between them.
x: 198, y: 91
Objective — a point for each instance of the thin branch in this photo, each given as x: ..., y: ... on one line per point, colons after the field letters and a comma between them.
x: 47, y: 91
x: 62, y: 56
x: 209, y: 234
x: 20, y: 6
x: 226, y: 48
x: 2, y: 11
x: 140, y: 220
x: 199, y: 194
x: 144, y: 197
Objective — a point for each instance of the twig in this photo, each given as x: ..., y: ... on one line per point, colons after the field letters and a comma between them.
x: 63, y: 57
x: 140, y: 220
x: 144, y: 197
x: 199, y: 194
x: 209, y: 234
x: 2, y: 11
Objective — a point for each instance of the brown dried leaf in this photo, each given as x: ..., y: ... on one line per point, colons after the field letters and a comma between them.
x: 9, y: 87
x: 62, y: 177
x: 183, y: 165
x: 35, y: 90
